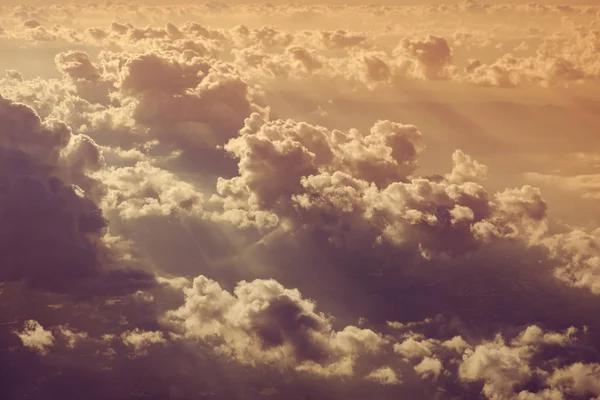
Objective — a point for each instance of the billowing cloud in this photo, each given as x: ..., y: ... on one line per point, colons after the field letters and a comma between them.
x: 52, y: 232
x: 145, y: 190
x: 263, y: 322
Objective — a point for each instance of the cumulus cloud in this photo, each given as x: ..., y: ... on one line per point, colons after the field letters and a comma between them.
x: 305, y: 177
x: 506, y: 369
x: 193, y: 103
x: 263, y: 322
x: 432, y: 56
x: 145, y: 190
x: 465, y: 169
x: 577, y: 255
x: 577, y: 379
x: 429, y: 368
x: 77, y: 65
x: 141, y: 340
x: 534, y: 364
x: 298, y: 172
x: 386, y: 154
x: 35, y: 337
x: 385, y: 376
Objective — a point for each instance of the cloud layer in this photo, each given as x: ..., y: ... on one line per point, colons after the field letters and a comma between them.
x: 349, y: 202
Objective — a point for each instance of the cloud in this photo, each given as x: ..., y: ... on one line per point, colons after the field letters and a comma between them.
x: 385, y: 376
x: 77, y: 65
x: 577, y: 379
x: 306, y: 173
x: 502, y: 368
x: 535, y: 364
x: 506, y: 369
x: 305, y: 177
x: 141, y: 340
x: 145, y: 190
x: 432, y: 55
x: 341, y: 39
x: 195, y: 104
x: 35, y: 337
x: 386, y: 154
x: 465, y: 169
x: 587, y: 185
x: 429, y: 368
x: 577, y: 254
x: 263, y: 322
x: 52, y: 233
x: 510, y: 71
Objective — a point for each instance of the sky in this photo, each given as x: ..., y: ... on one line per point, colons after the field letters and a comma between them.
x: 318, y: 2
x: 299, y: 201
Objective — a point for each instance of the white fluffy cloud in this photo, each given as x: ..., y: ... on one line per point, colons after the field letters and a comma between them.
x: 145, y: 190
x: 506, y: 368
x: 35, y: 337
x: 300, y: 172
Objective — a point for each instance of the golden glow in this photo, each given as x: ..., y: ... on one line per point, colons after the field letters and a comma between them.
x: 314, y: 201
